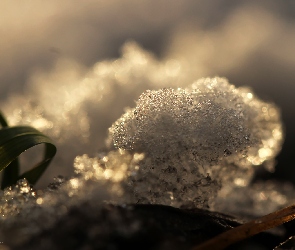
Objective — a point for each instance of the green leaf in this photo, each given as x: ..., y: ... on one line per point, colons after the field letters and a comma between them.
x: 16, y: 140
x: 11, y: 173
x: 3, y: 121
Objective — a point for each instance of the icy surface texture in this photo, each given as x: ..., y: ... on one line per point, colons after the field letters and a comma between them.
x: 27, y: 212
x: 196, y: 138
x: 209, y: 127
x: 15, y: 197
x: 53, y: 100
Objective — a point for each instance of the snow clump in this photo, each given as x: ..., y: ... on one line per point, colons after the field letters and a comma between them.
x: 195, y: 139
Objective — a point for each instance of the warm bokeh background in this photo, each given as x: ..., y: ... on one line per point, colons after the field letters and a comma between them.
x: 250, y: 43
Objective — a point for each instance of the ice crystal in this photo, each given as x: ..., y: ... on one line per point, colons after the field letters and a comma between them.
x: 95, y: 180
x: 176, y: 147
x: 13, y: 198
x: 54, y: 100
x: 195, y: 138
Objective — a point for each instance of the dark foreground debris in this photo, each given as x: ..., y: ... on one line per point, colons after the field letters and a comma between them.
x: 140, y: 227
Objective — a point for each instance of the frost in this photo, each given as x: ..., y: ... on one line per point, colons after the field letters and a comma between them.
x: 14, y: 198
x: 196, y: 138
x: 54, y: 100
x: 96, y: 180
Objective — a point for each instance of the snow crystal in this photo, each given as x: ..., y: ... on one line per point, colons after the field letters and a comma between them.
x: 196, y: 138
x: 177, y: 147
x: 96, y: 180
x: 12, y: 199
x: 53, y: 101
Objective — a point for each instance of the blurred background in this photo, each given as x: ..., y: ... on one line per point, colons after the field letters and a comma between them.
x: 249, y: 42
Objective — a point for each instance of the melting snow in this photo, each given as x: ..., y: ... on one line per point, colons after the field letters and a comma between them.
x: 193, y: 146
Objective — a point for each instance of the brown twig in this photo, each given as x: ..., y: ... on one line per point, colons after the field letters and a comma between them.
x: 248, y: 229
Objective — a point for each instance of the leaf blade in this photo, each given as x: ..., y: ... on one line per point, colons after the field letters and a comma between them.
x: 13, y: 142
x: 11, y: 172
